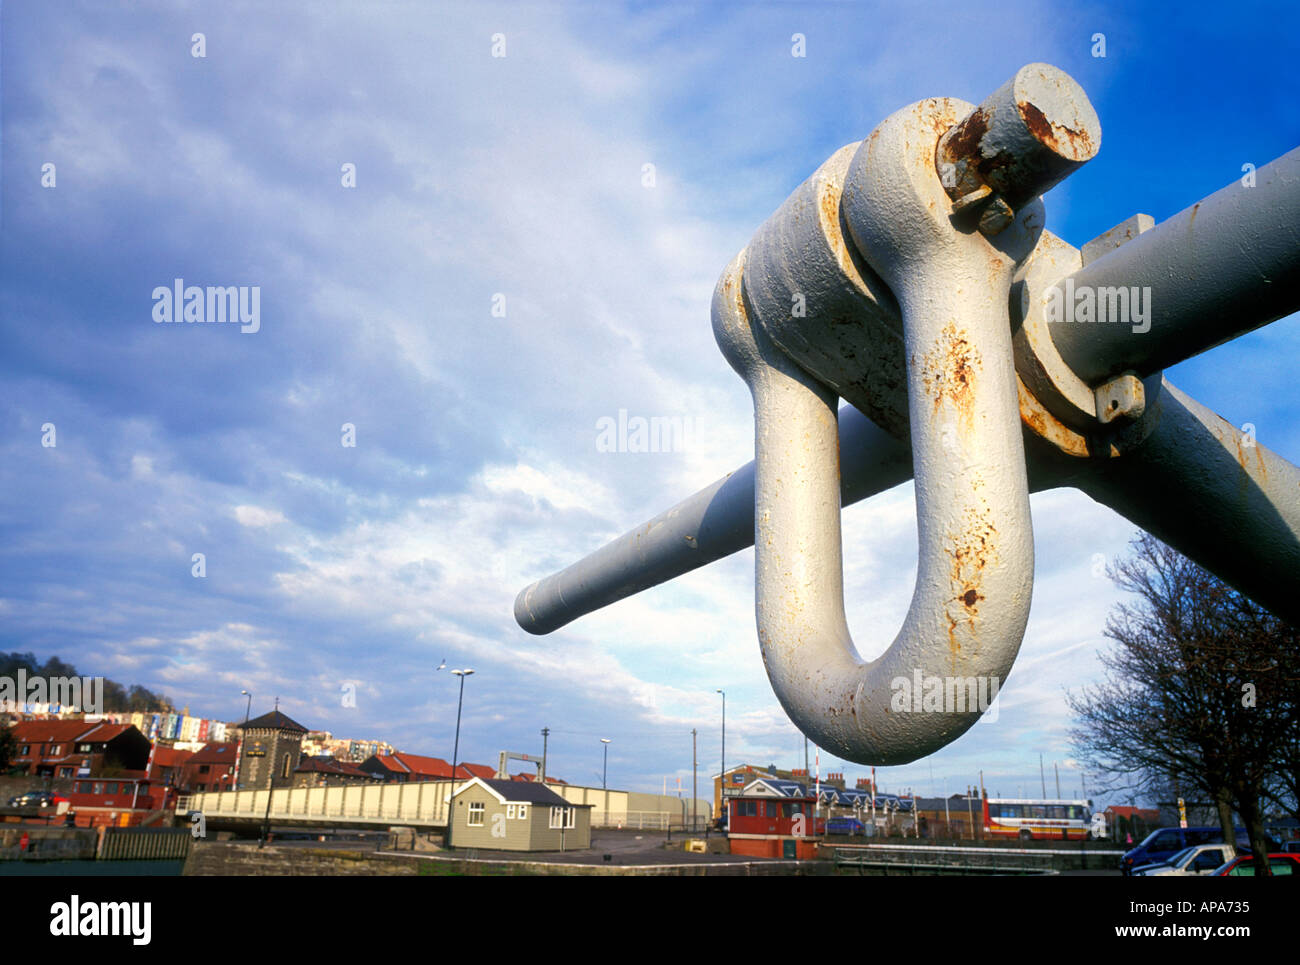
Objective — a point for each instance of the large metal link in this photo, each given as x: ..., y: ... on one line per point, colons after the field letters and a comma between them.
x: 901, y: 253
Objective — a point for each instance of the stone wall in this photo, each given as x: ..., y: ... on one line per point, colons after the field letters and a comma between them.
x: 216, y: 858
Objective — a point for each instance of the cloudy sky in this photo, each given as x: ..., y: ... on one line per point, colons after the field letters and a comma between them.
x: 516, y: 182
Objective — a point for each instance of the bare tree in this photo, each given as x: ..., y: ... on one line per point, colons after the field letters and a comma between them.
x: 1201, y: 691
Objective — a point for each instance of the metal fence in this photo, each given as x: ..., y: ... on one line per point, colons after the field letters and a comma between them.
x: 145, y: 844
x: 921, y: 859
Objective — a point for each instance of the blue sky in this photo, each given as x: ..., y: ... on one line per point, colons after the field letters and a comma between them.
x: 476, y: 469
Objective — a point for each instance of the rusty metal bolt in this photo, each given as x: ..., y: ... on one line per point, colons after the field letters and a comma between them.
x: 1025, y: 137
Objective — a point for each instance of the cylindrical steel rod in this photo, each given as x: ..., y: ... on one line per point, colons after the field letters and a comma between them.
x: 716, y: 522
x: 1226, y: 265
x: 1225, y: 270
x: 1216, y: 495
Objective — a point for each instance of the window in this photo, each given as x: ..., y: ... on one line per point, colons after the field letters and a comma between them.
x: 203, y: 768
x: 99, y: 787
x: 55, y: 750
x: 523, y: 811
x: 83, y: 748
x: 284, y: 771
x: 26, y: 749
x: 65, y: 772
x: 110, y: 787
x: 475, y: 817
x: 510, y: 811
x: 563, y: 817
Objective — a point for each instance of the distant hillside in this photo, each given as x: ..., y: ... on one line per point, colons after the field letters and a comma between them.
x: 117, y: 698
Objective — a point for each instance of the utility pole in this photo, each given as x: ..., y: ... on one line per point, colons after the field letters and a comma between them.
x: 1057, y: 769
x: 546, y: 733
x: 695, y: 791
x: 722, y: 777
x: 1041, y: 775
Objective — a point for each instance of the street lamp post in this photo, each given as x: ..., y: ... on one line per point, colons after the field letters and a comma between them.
x: 722, y: 781
x: 455, y: 750
x: 242, y: 734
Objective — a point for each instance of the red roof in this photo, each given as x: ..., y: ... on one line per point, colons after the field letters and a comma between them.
x: 415, y: 764
x: 431, y: 767
x: 1125, y: 811
x: 330, y: 765
x: 164, y: 756
x: 550, y: 778
x: 105, y: 731
x: 214, y: 752
x: 50, y: 731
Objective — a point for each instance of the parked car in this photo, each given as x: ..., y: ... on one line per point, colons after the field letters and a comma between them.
x: 1244, y: 866
x: 1159, y: 846
x: 37, y: 799
x: 1199, y: 859
x: 844, y: 826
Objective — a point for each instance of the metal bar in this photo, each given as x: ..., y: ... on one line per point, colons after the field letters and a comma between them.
x: 714, y: 523
x: 1203, y: 486
x: 1223, y: 267
x: 719, y: 519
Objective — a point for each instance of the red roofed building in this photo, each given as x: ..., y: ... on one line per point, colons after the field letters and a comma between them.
x: 403, y: 768
x: 329, y: 772
x: 210, y: 768
x: 73, y: 748
x: 550, y: 779
x: 408, y: 768
x: 481, y: 771
x: 167, y: 765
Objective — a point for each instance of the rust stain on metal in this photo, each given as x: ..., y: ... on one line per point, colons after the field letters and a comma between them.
x: 1042, y: 423
x: 964, y: 141
x: 949, y: 371
x: 1064, y: 140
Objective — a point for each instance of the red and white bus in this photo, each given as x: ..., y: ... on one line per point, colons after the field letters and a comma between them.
x: 1031, y: 819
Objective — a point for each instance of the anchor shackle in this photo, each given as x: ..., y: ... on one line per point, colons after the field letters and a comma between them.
x: 925, y: 222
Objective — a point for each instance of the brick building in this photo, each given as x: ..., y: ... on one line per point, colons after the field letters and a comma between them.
x: 210, y: 769
x: 77, y: 748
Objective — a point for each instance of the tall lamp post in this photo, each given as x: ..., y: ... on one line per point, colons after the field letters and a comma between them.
x: 455, y: 750
x: 604, y: 768
x: 247, y: 707
x: 722, y: 781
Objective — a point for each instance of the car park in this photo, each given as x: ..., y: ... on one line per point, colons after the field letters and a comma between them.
x: 1159, y: 846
